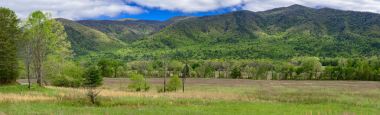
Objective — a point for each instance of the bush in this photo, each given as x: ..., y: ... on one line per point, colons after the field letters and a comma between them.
x: 138, y: 83
x: 235, y: 73
x: 66, y: 81
x: 63, y: 73
x: 174, y: 84
x: 92, y: 77
x: 92, y: 95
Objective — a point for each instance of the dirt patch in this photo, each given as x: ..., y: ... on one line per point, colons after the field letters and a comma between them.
x: 354, y: 85
x: 266, y: 83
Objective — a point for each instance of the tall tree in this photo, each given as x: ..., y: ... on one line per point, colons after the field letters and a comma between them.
x: 27, y: 55
x: 46, y: 37
x: 105, y: 66
x: 9, y: 32
x: 185, y: 73
x: 115, y: 64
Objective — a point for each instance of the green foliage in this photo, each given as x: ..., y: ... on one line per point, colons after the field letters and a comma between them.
x: 105, y: 67
x: 125, y: 30
x: 9, y: 33
x: 62, y: 72
x: 174, y: 83
x: 235, y: 73
x: 115, y: 65
x: 138, y: 83
x: 281, y: 34
x: 43, y: 36
x: 92, y: 77
x: 86, y: 40
x: 309, y: 65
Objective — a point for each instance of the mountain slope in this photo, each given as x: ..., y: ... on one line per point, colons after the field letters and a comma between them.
x: 125, y: 30
x: 128, y: 29
x: 279, y: 33
x: 85, y: 39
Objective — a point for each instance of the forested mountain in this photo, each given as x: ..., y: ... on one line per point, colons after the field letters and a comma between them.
x: 278, y: 33
x: 84, y: 39
x: 125, y: 30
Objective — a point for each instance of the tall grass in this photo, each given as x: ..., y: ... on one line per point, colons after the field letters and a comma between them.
x: 205, y: 99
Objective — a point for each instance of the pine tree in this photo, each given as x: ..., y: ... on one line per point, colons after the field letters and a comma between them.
x: 92, y: 77
x: 9, y: 32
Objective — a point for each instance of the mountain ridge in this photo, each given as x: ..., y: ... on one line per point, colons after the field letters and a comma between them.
x: 289, y: 31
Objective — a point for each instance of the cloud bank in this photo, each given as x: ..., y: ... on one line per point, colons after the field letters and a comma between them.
x: 257, y: 5
x: 71, y: 9
x: 79, y: 9
x: 188, y: 5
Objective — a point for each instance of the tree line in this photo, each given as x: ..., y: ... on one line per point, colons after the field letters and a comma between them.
x: 298, y: 68
x: 35, y: 47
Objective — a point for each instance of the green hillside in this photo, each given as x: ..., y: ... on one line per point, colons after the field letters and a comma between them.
x: 125, y: 30
x: 279, y: 33
x: 84, y: 39
x: 129, y: 30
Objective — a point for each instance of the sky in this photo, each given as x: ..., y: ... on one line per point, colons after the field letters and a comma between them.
x: 165, y: 9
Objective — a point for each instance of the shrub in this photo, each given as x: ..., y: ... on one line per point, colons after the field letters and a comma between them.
x: 174, y: 84
x: 92, y: 95
x: 235, y: 73
x: 66, y: 81
x: 138, y: 83
x: 92, y: 77
x: 63, y: 73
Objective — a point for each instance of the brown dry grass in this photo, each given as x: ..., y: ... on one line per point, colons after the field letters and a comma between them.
x: 222, y: 89
x: 75, y: 92
x: 23, y: 97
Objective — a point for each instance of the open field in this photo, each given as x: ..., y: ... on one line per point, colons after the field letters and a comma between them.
x: 202, y: 96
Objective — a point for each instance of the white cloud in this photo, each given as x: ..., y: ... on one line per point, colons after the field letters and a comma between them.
x: 354, y: 5
x: 257, y: 5
x: 71, y: 9
x: 188, y: 5
x: 79, y: 9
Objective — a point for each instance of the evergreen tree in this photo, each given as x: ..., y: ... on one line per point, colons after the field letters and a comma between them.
x: 92, y: 77
x: 9, y: 32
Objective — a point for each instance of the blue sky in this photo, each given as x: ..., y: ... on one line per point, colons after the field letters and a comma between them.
x: 164, y: 9
x: 162, y: 15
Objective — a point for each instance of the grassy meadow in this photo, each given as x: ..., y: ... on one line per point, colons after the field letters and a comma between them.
x: 202, y: 96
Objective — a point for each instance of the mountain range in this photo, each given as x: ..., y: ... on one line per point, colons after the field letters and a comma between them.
x: 278, y: 33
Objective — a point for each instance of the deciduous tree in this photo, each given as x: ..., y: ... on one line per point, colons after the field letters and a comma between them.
x: 46, y: 37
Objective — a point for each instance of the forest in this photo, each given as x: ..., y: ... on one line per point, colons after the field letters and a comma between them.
x: 55, y: 57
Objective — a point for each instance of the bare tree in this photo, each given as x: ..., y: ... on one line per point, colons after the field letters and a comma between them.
x: 92, y: 94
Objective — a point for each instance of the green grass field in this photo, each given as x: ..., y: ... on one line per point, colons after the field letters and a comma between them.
x: 201, y: 97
